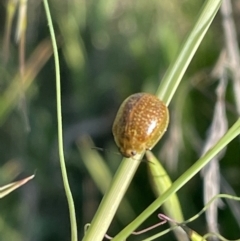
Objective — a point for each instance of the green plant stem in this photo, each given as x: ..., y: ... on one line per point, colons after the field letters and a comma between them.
x: 60, y: 135
x: 181, y: 181
x: 112, y: 199
x: 226, y: 196
x: 176, y: 70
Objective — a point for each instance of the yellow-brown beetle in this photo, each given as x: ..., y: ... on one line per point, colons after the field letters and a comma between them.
x: 140, y: 122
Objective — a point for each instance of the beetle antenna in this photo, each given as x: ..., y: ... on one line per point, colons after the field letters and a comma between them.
x: 104, y: 150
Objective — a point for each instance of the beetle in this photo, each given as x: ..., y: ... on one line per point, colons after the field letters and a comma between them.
x: 140, y: 122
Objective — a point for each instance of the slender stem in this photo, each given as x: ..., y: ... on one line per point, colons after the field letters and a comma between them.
x: 112, y: 199
x: 60, y: 135
x: 176, y: 70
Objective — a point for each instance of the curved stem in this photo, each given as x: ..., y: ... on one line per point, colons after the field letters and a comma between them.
x: 60, y: 135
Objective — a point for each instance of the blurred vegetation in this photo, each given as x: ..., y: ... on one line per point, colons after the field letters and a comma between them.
x: 108, y: 50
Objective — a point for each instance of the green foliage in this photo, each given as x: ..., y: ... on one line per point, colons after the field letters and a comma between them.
x: 108, y: 50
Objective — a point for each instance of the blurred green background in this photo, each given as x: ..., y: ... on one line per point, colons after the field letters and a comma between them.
x: 108, y: 50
